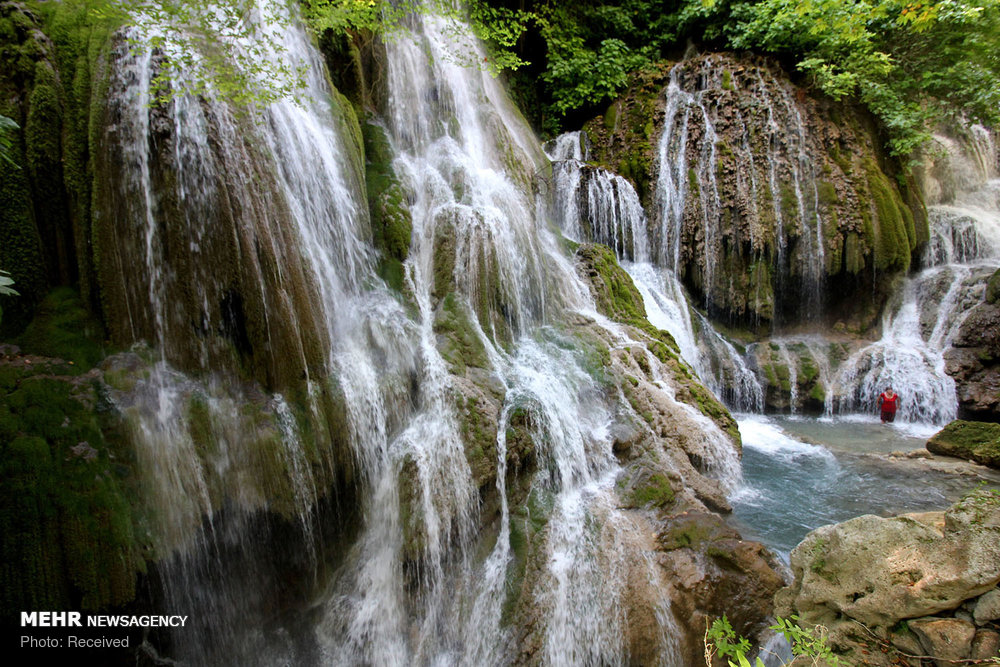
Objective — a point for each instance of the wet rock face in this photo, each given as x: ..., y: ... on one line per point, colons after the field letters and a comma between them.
x: 957, y: 159
x: 863, y: 578
x: 974, y: 359
x: 773, y: 206
x: 975, y: 441
x: 716, y: 573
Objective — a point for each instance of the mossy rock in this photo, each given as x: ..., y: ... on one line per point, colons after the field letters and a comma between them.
x: 63, y: 328
x: 392, y: 224
x: 71, y: 537
x: 461, y: 346
x: 993, y: 288
x: 692, y: 530
x: 617, y: 298
x: 896, y: 236
x: 615, y: 293
x: 655, y: 492
x: 976, y: 441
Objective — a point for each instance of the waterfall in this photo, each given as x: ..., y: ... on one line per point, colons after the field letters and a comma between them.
x: 336, y: 517
x: 593, y: 204
x: 241, y: 240
x: 963, y: 252
x: 763, y: 178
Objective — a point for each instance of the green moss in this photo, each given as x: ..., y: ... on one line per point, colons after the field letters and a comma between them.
x: 392, y: 271
x: 64, y: 329
x: 635, y: 167
x: 818, y: 553
x: 392, y: 224
x: 727, y: 80
x: 817, y: 393
x: 896, y: 236
x: 657, y: 493
x: 770, y: 375
x: 199, y: 421
x: 527, y: 524
x: 842, y: 161
x: 616, y: 294
x: 978, y: 441
x: 462, y: 347
x: 70, y: 536
x: 480, y: 442
x: 712, y: 408
x: 808, y: 370
x: 687, y: 534
x: 789, y: 201
x: 444, y: 261
x: 611, y: 116
x: 827, y: 193
x: 854, y: 260
x: 693, y: 186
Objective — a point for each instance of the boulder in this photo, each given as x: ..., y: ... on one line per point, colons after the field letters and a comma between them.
x: 985, y: 645
x: 877, y: 572
x: 716, y: 573
x: 946, y: 639
x: 987, y: 608
x: 973, y: 441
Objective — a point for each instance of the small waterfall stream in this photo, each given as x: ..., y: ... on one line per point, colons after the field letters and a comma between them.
x: 593, y: 204
x: 964, y: 251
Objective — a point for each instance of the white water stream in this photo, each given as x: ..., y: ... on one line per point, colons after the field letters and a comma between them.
x: 467, y: 162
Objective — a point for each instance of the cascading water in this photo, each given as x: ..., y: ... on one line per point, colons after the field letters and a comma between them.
x: 282, y: 276
x: 592, y: 204
x: 466, y: 163
x: 777, y: 197
x: 963, y: 252
x: 359, y: 367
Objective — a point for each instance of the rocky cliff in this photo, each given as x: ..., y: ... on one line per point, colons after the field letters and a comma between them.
x: 774, y: 206
x: 974, y: 358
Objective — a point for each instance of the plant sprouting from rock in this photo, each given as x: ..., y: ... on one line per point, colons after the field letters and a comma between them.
x: 722, y: 640
x: 7, y: 130
x: 5, y: 288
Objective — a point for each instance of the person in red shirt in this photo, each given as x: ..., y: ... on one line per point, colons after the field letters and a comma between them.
x: 888, y: 401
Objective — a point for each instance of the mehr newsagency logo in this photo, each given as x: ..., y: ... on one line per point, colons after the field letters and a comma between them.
x: 75, y: 619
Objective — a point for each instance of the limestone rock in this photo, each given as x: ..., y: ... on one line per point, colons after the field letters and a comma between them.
x: 987, y: 608
x: 985, y: 645
x: 907, y: 642
x: 974, y: 441
x: 879, y: 571
x: 716, y: 573
x: 947, y: 639
x: 750, y: 199
x: 974, y: 359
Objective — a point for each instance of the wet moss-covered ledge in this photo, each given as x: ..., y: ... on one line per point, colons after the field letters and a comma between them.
x: 617, y: 298
x: 973, y: 441
x: 71, y: 537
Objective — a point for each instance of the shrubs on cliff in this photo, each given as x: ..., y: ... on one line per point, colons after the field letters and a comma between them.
x: 910, y: 63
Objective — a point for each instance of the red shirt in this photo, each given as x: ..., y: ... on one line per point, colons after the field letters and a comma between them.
x: 888, y: 404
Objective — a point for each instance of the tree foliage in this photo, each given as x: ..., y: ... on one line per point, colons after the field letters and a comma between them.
x: 911, y: 62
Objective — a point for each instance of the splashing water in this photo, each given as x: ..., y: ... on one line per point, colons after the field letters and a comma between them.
x: 964, y: 251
